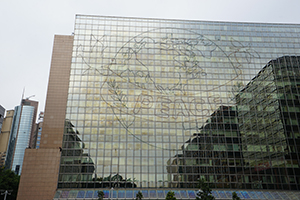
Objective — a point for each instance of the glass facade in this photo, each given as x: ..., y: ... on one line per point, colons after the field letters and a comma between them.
x: 156, y: 103
x: 13, y: 137
x: 21, y: 131
x: 38, y: 139
x: 23, y: 137
x: 179, y: 194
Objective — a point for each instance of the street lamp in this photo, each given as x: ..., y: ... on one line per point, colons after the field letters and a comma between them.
x: 5, y: 194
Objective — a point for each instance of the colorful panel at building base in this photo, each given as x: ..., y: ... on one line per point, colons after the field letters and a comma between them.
x: 179, y: 194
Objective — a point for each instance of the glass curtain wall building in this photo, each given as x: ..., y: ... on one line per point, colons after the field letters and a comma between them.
x: 156, y: 103
x: 21, y: 131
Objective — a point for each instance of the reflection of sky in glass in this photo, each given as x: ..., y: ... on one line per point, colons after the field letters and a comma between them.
x: 283, y: 195
x: 252, y: 195
x: 89, y: 194
x: 81, y: 194
x: 228, y: 193
x: 160, y: 194
x: 245, y: 194
x: 121, y: 194
x: 222, y: 194
x: 73, y: 194
x: 275, y: 195
x: 106, y: 193
x: 129, y: 194
x: 191, y: 194
x: 152, y: 194
x: 177, y: 194
x: 268, y: 195
x: 64, y: 194
x: 183, y: 194
x: 215, y: 194
x: 145, y: 193
x: 260, y: 195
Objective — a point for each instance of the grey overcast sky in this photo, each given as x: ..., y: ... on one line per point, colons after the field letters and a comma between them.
x: 28, y: 28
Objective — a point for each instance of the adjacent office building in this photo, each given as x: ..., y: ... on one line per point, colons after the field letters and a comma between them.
x: 3, y: 141
x: 36, y: 138
x: 21, y: 131
x: 154, y: 105
x: 2, y: 111
x: 5, y: 134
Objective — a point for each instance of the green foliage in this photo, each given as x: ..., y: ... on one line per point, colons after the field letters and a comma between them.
x: 235, y: 196
x: 139, y: 196
x: 100, y: 195
x: 9, y: 181
x: 99, y: 179
x: 170, y: 196
x: 205, y: 191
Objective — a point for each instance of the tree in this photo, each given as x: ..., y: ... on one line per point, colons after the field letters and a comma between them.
x: 235, y: 196
x: 170, y: 196
x: 100, y: 195
x: 9, y: 181
x: 139, y: 196
x: 204, y: 191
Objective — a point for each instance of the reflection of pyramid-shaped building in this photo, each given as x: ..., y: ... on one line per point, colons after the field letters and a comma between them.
x: 253, y: 145
x: 213, y: 153
x: 76, y: 165
x: 268, y: 115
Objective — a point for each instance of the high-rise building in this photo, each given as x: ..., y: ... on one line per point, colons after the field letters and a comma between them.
x: 21, y: 132
x: 2, y: 111
x: 36, y: 138
x: 5, y: 134
x: 154, y: 105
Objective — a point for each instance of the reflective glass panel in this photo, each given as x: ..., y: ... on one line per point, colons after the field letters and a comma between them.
x: 245, y: 195
x: 191, y: 194
x: 162, y: 103
x: 183, y: 194
x: 89, y: 194
x: 81, y: 194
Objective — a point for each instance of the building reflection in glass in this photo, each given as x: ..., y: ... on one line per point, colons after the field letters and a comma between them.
x: 253, y: 145
x: 268, y: 111
x: 77, y: 168
x: 213, y: 154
